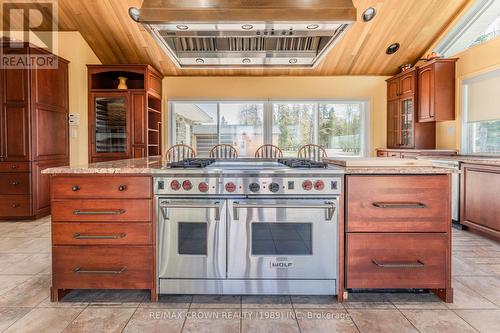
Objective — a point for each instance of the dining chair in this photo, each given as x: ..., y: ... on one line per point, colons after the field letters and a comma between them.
x: 180, y: 152
x: 268, y: 151
x: 223, y: 151
x: 312, y: 152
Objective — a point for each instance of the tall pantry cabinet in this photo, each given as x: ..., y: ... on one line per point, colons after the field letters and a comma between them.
x: 33, y: 131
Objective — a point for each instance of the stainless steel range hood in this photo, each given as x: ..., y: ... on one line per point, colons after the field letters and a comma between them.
x: 246, y: 33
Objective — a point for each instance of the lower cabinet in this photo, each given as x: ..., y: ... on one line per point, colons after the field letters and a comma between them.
x: 102, y: 236
x: 398, y: 232
x: 480, y: 199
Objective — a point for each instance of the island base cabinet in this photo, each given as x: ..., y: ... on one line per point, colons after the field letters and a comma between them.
x: 103, y: 233
x: 396, y: 260
x: 398, y: 232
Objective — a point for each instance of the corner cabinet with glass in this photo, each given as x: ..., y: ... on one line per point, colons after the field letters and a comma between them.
x: 403, y: 129
x: 124, y: 112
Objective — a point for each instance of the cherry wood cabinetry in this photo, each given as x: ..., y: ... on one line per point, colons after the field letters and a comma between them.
x: 124, y: 123
x: 436, y: 90
x: 398, y: 232
x: 414, y: 153
x: 403, y: 130
x: 480, y: 199
x: 33, y: 132
x: 102, y: 233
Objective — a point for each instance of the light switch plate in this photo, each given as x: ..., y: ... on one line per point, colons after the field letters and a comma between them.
x: 74, y: 119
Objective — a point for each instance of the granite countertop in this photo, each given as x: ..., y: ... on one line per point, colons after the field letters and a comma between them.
x: 490, y: 160
x: 384, y: 165
x: 157, y: 165
x: 147, y: 165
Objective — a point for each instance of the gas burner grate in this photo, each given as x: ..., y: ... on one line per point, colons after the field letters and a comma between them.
x: 191, y: 163
x: 302, y: 163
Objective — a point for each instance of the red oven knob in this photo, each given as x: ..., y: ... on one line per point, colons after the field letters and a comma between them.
x: 203, y: 187
x: 230, y: 187
x: 319, y: 185
x: 187, y: 185
x: 175, y: 185
x: 307, y: 185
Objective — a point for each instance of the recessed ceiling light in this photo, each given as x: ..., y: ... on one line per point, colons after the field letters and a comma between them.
x: 369, y: 14
x: 246, y: 61
x: 134, y: 13
x: 247, y: 27
x: 182, y: 27
x: 312, y: 26
x: 393, y: 48
x: 200, y: 61
x: 293, y: 61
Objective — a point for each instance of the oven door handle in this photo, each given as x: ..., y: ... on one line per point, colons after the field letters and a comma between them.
x: 165, y: 206
x: 329, y: 207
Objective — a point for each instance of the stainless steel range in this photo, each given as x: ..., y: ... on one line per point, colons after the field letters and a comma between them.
x: 248, y: 226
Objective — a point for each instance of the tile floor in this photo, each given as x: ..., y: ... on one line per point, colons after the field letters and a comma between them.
x: 25, y: 305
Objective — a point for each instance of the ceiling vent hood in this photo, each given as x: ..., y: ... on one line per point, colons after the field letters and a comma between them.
x: 246, y: 33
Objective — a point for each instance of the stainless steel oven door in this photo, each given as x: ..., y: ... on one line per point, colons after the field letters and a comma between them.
x: 191, y: 238
x: 282, y: 239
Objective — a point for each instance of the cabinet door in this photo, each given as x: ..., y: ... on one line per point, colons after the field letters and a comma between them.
x: 16, y: 136
x: 110, y: 125
x: 393, y: 136
x: 407, y: 83
x: 426, y: 94
x: 406, y: 122
x: 393, y: 89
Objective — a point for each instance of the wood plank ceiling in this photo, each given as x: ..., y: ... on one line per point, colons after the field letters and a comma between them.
x: 116, y: 39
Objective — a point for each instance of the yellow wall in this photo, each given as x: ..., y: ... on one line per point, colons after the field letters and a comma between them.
x: 474, y: 61
x: 371, y: 88
x: 74, y: 48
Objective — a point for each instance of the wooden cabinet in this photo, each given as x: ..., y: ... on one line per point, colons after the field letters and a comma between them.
x: 102, y: 233
x: 436, y: 90
x: 403, y: 131
x: 398, y: 232
x: 33, y: 132
x: 479, y: 198
x: 414, y: 153
x: 124, y: 123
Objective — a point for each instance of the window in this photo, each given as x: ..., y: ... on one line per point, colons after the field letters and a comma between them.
x: 479, y: 24
x: 481, y: 116
x: 341, y: 127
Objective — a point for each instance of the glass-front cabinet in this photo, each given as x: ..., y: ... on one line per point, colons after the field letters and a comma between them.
x: 110, y: 125
x: 406, y: 119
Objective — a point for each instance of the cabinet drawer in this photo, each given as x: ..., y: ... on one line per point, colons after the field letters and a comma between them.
x: 15, y: 183
x: 76, y: 233
x: 396, y: 260
x: 102, y: 267
x: 15, y: 205
x: 398, y: 203
x: 14, y: 166
x: 101, y: 187
x: 114, y: 210
x: 381, y: 153
x: 393, y: 154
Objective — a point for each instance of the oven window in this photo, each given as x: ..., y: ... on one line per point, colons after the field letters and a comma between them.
x: 192, y: 238
x: 281, y: 238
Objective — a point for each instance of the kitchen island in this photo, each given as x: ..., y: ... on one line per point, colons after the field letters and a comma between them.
x: 104, y: 227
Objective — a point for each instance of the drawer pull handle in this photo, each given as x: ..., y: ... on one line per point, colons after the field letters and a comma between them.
x: 418, y: 264
x: 13, y: 166
x: 80, y: 236
x: 98, y: 212
x: 15, y: 183
x: 122, y: 188
x: 15, y: 205
x: 399, y: 205
x: 78, y: 270
x: 75, y: 188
